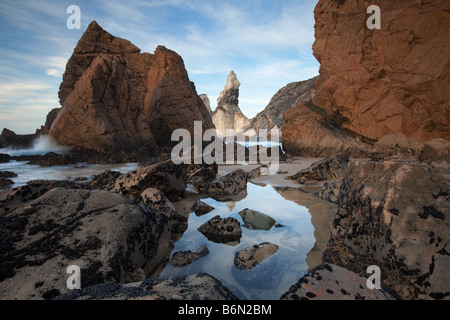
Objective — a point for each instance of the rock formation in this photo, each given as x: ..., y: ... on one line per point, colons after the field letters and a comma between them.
x: 9, y: 138
x: 191, y: 288
x: 166, y: 177
x: 255, y: 220
x: 206, y: 101
x: 331, y: 282
x: 184, y: 258
x: 375, y: 83
x: 228, y: 115
x: 249, y: 258
x: 331, y: 168
x: 117, y: 100
x: 308, y: 132
x: 229, y: 184
x: 286, y: 98
x: 222, y: 230
x: 392, y: 80
x: 110, y: 237
x: 394, y: 214
x: 51, y: 116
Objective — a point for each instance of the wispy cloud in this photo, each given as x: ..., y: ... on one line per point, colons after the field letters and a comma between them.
x: 268, y: 43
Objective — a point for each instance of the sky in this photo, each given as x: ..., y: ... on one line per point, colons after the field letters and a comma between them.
x: 266, y: 42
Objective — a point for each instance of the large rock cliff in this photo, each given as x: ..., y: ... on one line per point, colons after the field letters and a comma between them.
x: 117, y: 100
x: 392, y: 80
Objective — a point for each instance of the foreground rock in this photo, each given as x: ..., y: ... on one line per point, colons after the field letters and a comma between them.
x: 395, y: 214
x: 222, y: 230
x: 6, y: 182
x: 104, y: 179
x: 255, y: 220
x: 52, y: 159
x: 328, y: 169
x: 200, y: 208
x: 110, y: 237
x: 184, y: 258
x: 195, y: 287
x: 230, y: 184
x: 250, y: 257
x: 331, y: 282
x: 200, y: 176
x: 167, y: 177
x: 154, y: 198
x: 8, y: 174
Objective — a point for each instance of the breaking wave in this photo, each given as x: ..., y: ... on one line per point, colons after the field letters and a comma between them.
x: 41, y: 145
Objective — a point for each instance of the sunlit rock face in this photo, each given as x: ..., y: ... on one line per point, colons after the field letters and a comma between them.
x: 116, y: 99
x: 375, y: 83
x: 228, y: 115
x: 391, y: 80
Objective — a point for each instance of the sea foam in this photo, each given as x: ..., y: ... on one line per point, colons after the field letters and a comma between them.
x: 41, y: 145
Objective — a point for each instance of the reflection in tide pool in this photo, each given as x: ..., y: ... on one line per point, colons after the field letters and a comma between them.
x: 273, y: 277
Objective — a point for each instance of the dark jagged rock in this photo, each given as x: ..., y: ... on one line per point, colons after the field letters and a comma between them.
x: 331, y: 282
x: 167, y: 177
x: 195, y: 287
x: 6, y: 182
x: 249, y: 258
x: 229, y: 184
x: 51, y: 116
x: 394, y: 214
x: 184, y: 258
x: 9, y: 138
x: 200, y: 208
x: 51, y: 159
x: 8, y: 174
x: 110, y: 237
x: 104, y: 179
x: 4, y: 158
x: 328, y: 169
x: 222, y: 230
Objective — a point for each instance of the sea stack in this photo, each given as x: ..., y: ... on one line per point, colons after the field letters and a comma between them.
x: 228, y: 115
x: 117, y: 100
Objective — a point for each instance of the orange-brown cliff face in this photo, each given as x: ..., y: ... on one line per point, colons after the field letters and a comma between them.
x: 375, y: 83
x: 392, y: 80
x: 117, y: 100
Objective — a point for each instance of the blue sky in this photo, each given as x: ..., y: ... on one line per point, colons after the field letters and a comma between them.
x: 266, y: 42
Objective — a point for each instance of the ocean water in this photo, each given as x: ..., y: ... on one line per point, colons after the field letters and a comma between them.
x: 40, y: 146
x: 43, y: 145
